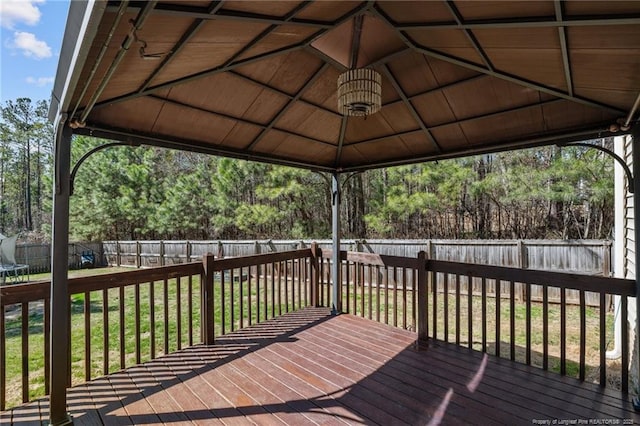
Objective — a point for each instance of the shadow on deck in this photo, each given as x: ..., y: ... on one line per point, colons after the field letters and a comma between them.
x: 308, y: 367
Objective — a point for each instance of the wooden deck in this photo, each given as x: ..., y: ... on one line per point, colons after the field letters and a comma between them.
x: 308, y: 367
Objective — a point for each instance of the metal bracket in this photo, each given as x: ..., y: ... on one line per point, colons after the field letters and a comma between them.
x: 89, y: 154
x: 616, y: 157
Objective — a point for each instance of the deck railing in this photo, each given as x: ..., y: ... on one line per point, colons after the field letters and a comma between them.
x: 126, y: 318
x: 492, y: 309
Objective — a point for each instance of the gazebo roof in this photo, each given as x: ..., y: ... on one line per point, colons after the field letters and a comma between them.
x: 258, y: 80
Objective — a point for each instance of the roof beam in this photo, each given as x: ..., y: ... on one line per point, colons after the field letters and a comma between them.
x: 467, y: 32
x: 529, y: 22
x: 410, y: 107
x: 187, y: 11
x: 288, y: 105
x: 501, y: 75
x: 562, y: 35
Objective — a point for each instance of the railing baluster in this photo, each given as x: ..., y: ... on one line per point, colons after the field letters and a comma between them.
x: 347, y: 291
x: 545, y: 327
x: 189, y: 307
x: 404, y: 298
x: 122, y: 317
x: 179, y: 312
x: 152, y: 320
x: 165, y: 300
x: 265, y: 295
x: 433, y: 282
x: 223, y: 304
x: 136, y: 296
x: 286, y: 287
x: 445, y: 300
x: 528, y: 323
x: 273, y: 290
x: 563, y: 331
x: 458, y: 309
x: 386, y: 295
x: 25, y: 350
x: 583, y: 334
x: 498, y: 294
x: 293, y: 284
x: 87, y: 336
x: 395, y: 294
x: 370, y: 302
x: 241, y: 297
x: 603, y: 340
x: 470, y: 311
x: 249, y: 298
x: 105, y: 331
x: 414, y: 297
x: 484, y: 313
x: 232, y: 301
x: 512, y: 320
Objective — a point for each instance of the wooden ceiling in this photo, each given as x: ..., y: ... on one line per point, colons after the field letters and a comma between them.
x: 258, y: 80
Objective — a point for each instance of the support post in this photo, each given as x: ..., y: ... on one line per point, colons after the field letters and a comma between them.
x: 636, y: 231
x: 315, y: 275
x: 60, y: 316
x: 335, y: 228
x: 207, y: 299
x: 423, y: 316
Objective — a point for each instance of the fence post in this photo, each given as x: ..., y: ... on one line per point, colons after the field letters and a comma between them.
x: 315, y: 274
x: 423, y: 315
x: 188, y: 250
x: 118, y: 256
x: 161, y: 253
x: 138, y: 255
x: 606, y: 258
x: 206, y: 316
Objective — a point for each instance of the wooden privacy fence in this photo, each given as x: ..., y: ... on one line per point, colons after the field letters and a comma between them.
x: 588, y: 257
x: 38, y: 256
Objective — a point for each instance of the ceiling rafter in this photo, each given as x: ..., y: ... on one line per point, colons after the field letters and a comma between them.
x: 463, y: 120
x: 467, y: 32
x: 410, y: 107
x: 562, y: 35
x: 440, y: 88
x: 501, y: 75
x: 532, y: 142
x: 531, y: 22
x: 240, y: 120
x: 108, y: 132
x: 288, y: 105
x: 191, y: 31
x: 229, y: 65
x: 283, y: 93
x: 196, y: 12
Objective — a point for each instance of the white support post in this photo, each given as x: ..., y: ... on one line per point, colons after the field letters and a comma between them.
x: 60, y: 319
x: 335, y: 227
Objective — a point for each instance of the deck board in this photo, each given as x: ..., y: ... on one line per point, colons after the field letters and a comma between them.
x: 311, y: 368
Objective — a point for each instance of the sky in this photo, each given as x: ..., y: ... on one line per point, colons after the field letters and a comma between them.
x: 31, y: 39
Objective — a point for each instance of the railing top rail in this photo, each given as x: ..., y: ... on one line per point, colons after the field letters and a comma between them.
x: 259, y: 259
x: 619, y: 286
x: 31, y: 292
